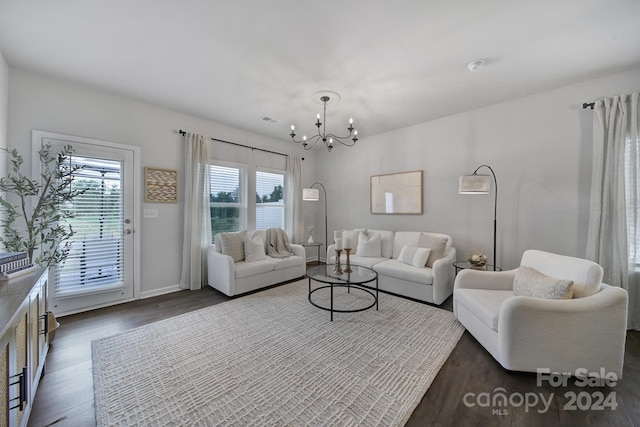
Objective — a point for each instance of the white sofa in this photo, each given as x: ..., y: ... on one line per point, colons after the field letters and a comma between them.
x: 433, y: 285
x: 235, y: 278
x: 580, y: 336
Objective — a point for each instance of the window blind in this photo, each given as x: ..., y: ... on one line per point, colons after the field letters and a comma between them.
x: 632, y: 169
x: 228, y: 198
x: 96, y: 259
x: 270, y: 207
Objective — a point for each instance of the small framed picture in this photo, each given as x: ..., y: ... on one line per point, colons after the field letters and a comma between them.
x: 161, y: 185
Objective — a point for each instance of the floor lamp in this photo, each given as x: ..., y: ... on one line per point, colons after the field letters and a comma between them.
x: 481, y: 184
x: 313, y: 195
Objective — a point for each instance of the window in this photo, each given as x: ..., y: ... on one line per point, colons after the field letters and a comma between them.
x: 95, y: 260
x: 632, y: 181
x: 632, y: 177
x: 228, y: 198
x: 232, y: 209
x: 269, y: 199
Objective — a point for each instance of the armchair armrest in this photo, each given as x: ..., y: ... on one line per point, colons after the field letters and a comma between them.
x: 480, y: 279
x: 592, y: 331
x: 220, y: 271
x: 443, y: 277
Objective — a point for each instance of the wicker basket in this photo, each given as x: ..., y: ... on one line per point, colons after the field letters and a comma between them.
x: 53, y: 325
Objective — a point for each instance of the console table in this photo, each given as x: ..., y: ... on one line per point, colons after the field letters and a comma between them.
x: 24, y: 342
x: 313, y: 245
x: 463, y: 265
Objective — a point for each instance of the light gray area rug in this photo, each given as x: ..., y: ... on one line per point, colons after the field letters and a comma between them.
x: 273, y: 359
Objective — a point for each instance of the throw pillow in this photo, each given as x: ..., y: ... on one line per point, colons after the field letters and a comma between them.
x: 232, y: 244
x: 217, y: 242
x: 253, y: 249
x: 531, y: 283
x: 437, y: 244
x: 414, y: 256
x: 353, y: 236
x: 369, y: 246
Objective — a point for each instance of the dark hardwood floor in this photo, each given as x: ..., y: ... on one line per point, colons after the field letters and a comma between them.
x: 65, y: 394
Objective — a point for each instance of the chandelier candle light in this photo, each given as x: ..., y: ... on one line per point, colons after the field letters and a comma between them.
x: 327, y: 138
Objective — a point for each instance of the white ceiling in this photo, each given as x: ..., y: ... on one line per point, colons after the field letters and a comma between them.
x: 394, y: 63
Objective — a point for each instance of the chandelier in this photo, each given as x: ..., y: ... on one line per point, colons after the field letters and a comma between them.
x: 327, y: 138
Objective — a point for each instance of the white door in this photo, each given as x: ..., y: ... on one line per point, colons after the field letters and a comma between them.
x: 101, y: 266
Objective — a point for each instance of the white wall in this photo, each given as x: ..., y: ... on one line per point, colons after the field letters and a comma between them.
x: 41, y: 103
x: 4, y: 111
x: 4, y: 102
x: 539, y: 147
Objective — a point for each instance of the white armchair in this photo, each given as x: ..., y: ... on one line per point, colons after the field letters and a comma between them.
x: 526, y: 334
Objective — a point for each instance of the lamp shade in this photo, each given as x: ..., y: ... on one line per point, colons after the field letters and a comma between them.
x: 475, y: 184
x: 311, y: 194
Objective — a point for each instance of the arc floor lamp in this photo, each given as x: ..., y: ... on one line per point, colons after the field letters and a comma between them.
x: 481, y: 184
x: 313, y: 195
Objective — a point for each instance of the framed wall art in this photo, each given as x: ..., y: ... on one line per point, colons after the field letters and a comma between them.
x: 397, y: 193
x: 161, y: 185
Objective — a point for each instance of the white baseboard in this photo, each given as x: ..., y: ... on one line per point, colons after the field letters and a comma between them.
x: 161, y: 291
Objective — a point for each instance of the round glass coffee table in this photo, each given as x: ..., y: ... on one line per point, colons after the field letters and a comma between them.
x: 355, y: 280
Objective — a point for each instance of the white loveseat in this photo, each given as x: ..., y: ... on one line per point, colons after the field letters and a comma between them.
x: 429, y: 284
x: 235, y: 278
x: 583, y: 335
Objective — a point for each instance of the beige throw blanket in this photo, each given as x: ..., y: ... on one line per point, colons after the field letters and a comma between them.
x: 278, y: 243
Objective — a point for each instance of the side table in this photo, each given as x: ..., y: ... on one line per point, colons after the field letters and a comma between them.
x: 463, y: 265
x: 313, y: 245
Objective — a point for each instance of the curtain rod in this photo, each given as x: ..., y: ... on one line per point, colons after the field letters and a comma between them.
x: 586, y: 105
x: 182, y: 132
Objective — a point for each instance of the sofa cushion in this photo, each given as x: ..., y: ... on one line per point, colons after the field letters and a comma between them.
x: 232, y: 244
x: 398, y: 270
x: 387, y: 241
x: 282, y: 263
x: 485, y: 304
x: 248, y: 269
x: 261, y: 234
x: 352, y: 235
x: 529, y: 282
x: 369, y: 246
x: 437, y: 244
x: 253, y: 249
x: 414, y: 255
x: 217, y: 243
x: 358, y: 260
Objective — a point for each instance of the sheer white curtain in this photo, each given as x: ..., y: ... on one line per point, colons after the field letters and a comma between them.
x: 197, y: 214
x: 294, y: 216
x: 612, y: 239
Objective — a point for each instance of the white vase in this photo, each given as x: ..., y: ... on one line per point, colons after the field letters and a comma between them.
x: 310, y: 239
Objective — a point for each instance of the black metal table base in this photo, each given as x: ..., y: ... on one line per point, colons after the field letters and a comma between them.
x: 349, y: 286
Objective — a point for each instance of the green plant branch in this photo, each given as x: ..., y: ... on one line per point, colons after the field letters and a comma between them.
x: 44, y: 226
